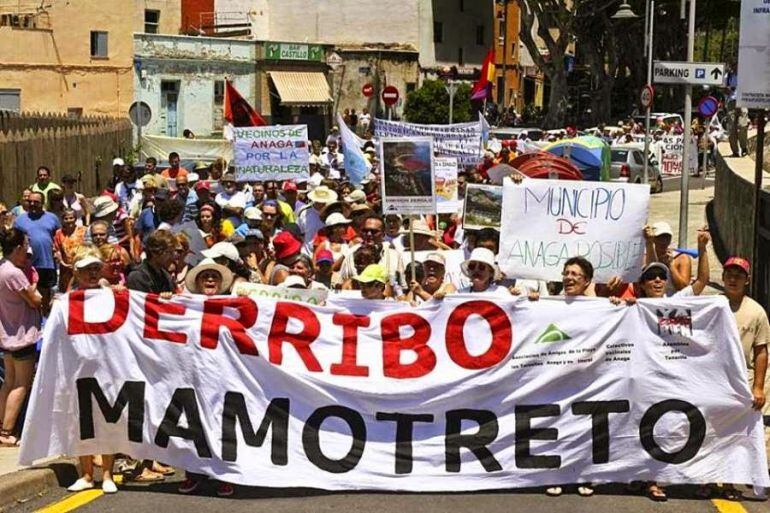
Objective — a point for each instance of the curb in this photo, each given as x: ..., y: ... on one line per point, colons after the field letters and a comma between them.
x: 27, y: 483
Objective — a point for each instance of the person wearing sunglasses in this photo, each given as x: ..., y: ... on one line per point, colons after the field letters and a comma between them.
x: 481, y: 269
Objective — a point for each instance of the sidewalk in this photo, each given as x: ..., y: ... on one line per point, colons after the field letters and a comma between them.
x: 18, y: 483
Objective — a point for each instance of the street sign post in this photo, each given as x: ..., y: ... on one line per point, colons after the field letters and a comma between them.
x: 390, y: 97
x: 708, y: 106
x: 646, y: 96
x: 367, y: 90
x: 689, y: 73
x: 140, y: 114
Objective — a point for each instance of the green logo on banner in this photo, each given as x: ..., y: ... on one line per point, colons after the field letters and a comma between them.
x: 552, y: 334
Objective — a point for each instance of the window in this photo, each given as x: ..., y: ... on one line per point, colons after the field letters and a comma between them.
x: 460, y: 56
x: 75, y: 112
x: 410, y: 87
x: 10, y: 99
x: 638, y: 158
x: 462, y: 5
x: 438, y: 32
x: 99, y: 44
x: 480, y: 34
x: 151, y: 21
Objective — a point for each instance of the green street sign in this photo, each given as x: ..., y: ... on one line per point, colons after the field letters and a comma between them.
x: 293, y: 52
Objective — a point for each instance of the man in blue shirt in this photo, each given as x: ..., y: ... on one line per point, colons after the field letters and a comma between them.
x: 40, y: 227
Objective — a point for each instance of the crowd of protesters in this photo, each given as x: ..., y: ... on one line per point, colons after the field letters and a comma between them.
x: 202, y: 231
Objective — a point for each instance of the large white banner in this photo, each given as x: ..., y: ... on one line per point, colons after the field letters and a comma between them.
x: 271, y: 153
x: 460, y: 140
x: 470, y: 393
x: 753, y: 90
x: 546, y: 222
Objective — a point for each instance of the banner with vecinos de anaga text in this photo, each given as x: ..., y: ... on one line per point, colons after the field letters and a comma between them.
x: 271, y: 153
x: 466, y: 394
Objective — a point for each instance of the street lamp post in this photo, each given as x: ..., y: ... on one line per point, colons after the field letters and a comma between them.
x: 451, y: 89
x: 685, y: 192
x: 650, y: 17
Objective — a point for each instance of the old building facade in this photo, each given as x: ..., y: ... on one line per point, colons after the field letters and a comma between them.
x: 75, y: 56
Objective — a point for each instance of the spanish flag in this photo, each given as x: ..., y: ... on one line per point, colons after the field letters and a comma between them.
x: 483, y: 87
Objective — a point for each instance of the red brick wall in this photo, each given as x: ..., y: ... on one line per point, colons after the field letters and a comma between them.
x: 191, y: 10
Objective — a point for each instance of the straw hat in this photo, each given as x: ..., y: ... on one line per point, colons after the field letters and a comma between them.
x: 420, y: 227
x: 336, y: 218
x: 206, y: 265
x: 322, y: 194
x: 104, y: 206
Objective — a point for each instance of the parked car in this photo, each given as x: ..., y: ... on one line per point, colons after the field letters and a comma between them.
x: 668, y: 118
x: 628, y: 166
x: 508, y: 133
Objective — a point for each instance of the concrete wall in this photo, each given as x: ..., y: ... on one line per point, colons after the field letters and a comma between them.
x: 377, y: 68
x: 197, y: 63
x: 732, y: 211
x: 460, y: 31
x: 53, y: 67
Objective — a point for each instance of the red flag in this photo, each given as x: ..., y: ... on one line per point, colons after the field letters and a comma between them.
x: 483, y: 87
x: 238, y: 112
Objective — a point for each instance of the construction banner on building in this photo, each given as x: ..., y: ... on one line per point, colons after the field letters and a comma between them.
x: 460, y: 140
x: 271, y: 153
x: 470, y: 393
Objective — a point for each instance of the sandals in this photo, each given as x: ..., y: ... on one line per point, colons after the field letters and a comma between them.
x: 657, y: 493
x: 9, y: 439
x: 732, y: 494
x: 163, y: 470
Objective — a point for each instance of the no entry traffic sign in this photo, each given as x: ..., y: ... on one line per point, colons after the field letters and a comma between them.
x: 367, y: 90
x: 390, y: 95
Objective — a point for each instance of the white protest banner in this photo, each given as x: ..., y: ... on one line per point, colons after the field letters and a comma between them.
x: 546, y: 222
x: 258, y: 290
x: 447, y: 201
x: 407, y: 176
x: 470, y: 393
x: 271, y: 153
x: 460, y: 140
x: 753, y: 90
x: 453, y: 257
x: 671, y: 155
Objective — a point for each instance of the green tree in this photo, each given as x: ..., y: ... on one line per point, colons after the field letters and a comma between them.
x: 430, y: 104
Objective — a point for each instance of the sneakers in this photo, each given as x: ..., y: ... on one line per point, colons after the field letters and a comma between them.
x: 553, y: 491
x: 80, y: 485
x: 585, y: 490
x: 109, y: 486
x: 225, y: 490
x: 189, y: 485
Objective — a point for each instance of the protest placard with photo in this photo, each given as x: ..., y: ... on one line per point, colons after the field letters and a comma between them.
x: 407, y: 176
x: 546, y: 222
x: 483, y: 205
x: 271, y: 153
x: 447, y: 201
x: 460, y: 140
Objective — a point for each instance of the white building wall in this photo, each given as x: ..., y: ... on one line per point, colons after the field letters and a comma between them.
x: 196, y: 63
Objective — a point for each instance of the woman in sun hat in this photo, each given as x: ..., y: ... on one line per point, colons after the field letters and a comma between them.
x: 334, y: 238
x: 481, y: 268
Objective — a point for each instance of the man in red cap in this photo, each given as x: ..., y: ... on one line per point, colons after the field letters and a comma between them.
x: 290, y: 191
x: 754, y: 331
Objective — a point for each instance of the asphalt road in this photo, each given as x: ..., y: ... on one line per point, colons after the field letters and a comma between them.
x: 164, y: 498
x: 673, y: 183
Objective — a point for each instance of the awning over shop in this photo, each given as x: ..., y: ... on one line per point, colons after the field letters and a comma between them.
x: 301, y: 87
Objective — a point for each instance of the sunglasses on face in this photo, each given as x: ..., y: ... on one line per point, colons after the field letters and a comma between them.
x: 371, y: 231
x: 474, y: 266
x: 655, y: 275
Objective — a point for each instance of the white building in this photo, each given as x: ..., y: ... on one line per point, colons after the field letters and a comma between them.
x: 182, y: 79
x: 444, y: 32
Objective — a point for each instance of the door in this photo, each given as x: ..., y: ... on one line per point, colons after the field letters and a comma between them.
x: 169, y: 99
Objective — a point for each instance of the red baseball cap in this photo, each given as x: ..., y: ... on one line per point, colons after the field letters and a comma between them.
x: 289, y: 185
x: 324, y: 256
x: 736, y: 261
x: 202, y: 184
x: 285, y: 245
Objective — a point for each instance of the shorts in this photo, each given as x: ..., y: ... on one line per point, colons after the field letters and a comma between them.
x: 46, y: 278
x: 25, y: 353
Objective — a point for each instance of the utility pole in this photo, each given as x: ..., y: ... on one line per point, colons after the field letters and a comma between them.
x: 684, y: 199
x: 505, y: 51
x: 756, y: 286
x: 649, y: 23
x: 451, y: 89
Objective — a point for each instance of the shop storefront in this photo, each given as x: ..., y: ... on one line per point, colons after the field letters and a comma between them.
x: 292, y: 85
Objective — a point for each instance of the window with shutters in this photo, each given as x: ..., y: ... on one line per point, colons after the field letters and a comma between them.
x: 99, y: 44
